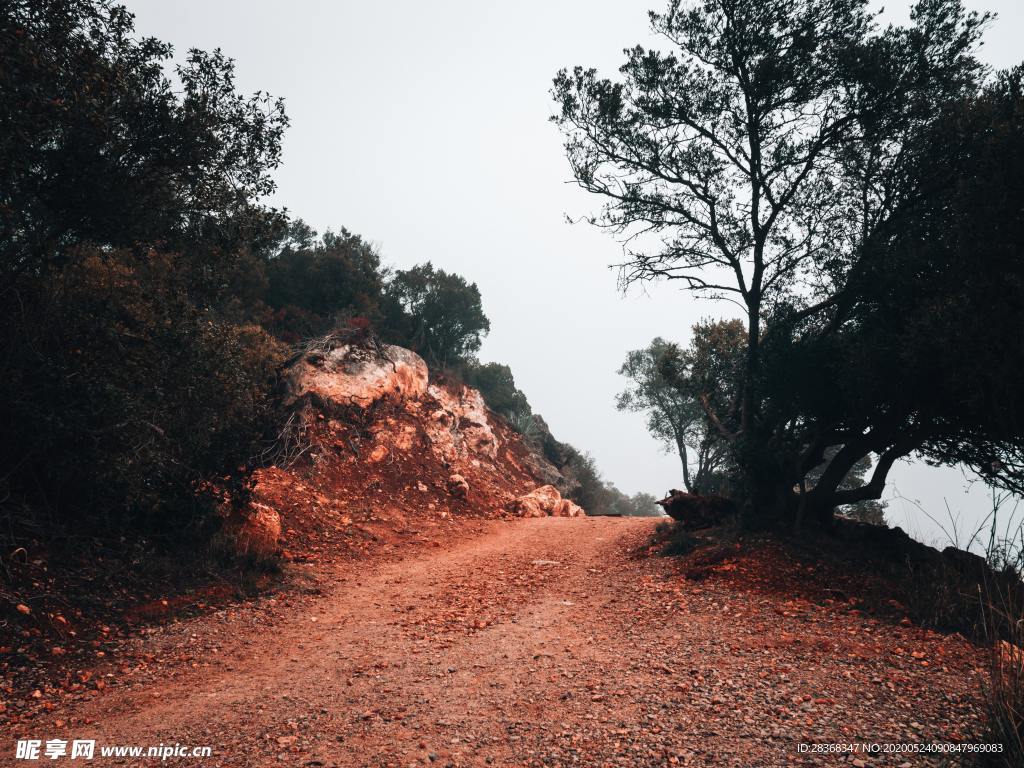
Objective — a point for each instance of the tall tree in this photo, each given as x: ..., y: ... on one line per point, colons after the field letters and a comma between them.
x: 667, y: 384
x: 436, y: 313
x: 129, y: 209
x: 758, y: 162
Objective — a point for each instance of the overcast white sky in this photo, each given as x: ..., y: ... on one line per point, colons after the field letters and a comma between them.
x: 423, y: 127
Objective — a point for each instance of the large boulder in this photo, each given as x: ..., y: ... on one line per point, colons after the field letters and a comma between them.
x: 352, y: 375
x: 527, y: 506
x: 546, y: 500
x: 566, y: 508
x: 548, y: 496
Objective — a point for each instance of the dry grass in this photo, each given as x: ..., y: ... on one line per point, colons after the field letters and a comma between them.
x: 1004, y: 693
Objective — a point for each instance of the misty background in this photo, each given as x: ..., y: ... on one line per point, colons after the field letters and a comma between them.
x: 424, y: 128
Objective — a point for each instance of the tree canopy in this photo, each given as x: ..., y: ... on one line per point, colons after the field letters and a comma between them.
x: 313, y: 284
x: 667, y: 383
x: 436, y: 313
x: 798, y: 159
x: 97, y: 146
x: 129, y: 211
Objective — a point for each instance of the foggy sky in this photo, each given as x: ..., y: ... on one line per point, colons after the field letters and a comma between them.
x: 424, y: 128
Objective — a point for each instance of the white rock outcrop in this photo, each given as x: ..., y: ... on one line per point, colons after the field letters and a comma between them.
x: 458, y: 428
x: 349, y: 375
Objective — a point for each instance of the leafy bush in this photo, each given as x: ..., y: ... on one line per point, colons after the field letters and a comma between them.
x: 129, y: 396
x: 498, y: 387
x: 312, y: 285
x: 435, y: 313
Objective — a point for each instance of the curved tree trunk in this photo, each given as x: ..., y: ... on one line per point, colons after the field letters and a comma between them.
x: 681, y: 446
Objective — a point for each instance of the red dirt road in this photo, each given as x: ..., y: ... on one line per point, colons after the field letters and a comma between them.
x: 544, y: 642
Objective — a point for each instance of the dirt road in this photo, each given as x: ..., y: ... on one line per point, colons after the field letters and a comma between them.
x: 535, y: 642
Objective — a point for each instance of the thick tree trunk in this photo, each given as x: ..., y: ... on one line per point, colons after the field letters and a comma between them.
x: 827, y: 495
x: 748, y: 403
x: 770, y: 505
x: 681, y: 447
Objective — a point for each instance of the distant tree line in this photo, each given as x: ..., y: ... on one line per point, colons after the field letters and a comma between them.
x: 600, y: 497
x: 857, y: 192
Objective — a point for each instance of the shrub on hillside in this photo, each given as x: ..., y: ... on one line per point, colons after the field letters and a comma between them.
x: 128, y: 396
x: 314, y: 284
x: 435, y: 313
x: 129, y: 223
x: 498, y: 388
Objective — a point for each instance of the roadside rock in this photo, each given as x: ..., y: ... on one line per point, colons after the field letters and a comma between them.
x: 459, y: 428
x: 458, y: 487
x: 546, y: 500
x: 527, y: 506
x: 258, y: 534
x: 373, y: 432
x: 566, y: 508
x: 548, y: 496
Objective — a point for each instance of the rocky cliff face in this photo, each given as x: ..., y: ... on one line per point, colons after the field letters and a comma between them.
x: 373, y: 443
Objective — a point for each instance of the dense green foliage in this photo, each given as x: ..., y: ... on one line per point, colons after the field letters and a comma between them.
x: 96, y: 146
x: 304, y: 285
x: 435, y: 313
x: 855, y: 189
x: 941, y: 288
x: 312, y: 284
x: 127, y: 214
